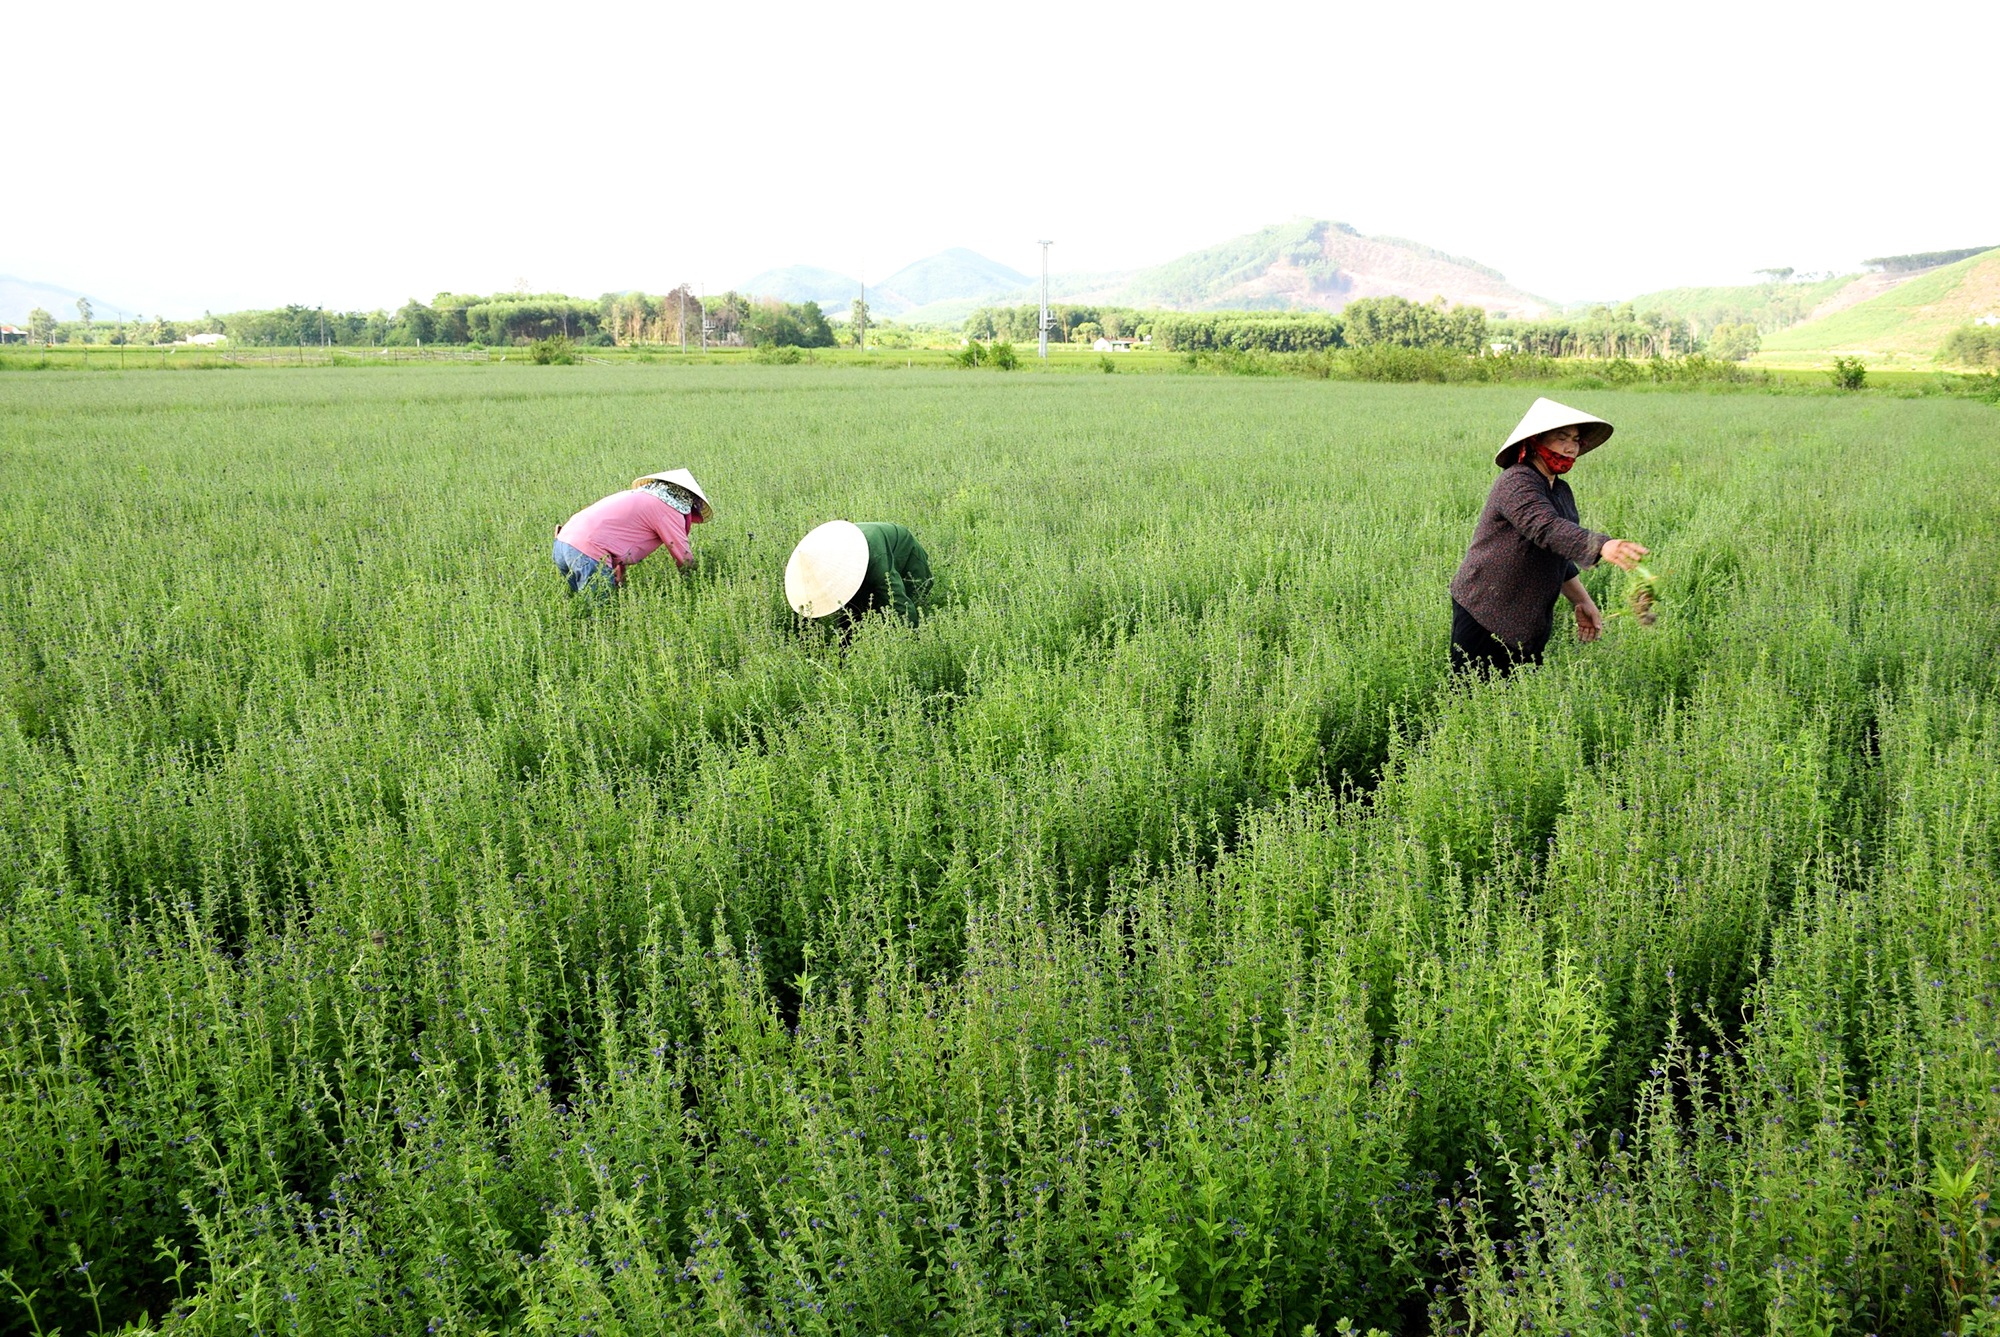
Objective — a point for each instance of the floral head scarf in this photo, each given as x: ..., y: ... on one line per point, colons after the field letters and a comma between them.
x: 675, y: 496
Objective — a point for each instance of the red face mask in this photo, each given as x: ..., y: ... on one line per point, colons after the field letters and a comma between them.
x: 1554, y: 463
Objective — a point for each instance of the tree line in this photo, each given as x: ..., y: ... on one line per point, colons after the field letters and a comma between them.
x: 499, y: 320
x: 735, y: 319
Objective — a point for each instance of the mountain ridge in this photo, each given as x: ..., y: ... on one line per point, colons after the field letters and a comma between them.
x: 1304, y: 265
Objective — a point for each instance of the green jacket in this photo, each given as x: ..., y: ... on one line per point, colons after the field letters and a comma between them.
x: 899, y: 572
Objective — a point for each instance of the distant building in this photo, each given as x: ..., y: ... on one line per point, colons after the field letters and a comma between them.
x: 1105, y: 344
x: 205, y: 340
x: 13, y: 334
x: 1988, y: 320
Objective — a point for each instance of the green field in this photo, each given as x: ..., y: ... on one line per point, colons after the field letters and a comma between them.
x: 1155, y: 940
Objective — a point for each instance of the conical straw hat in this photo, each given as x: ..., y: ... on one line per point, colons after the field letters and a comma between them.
x: 826, y: 569
x: 1545, y: 415
x: 683, y: 479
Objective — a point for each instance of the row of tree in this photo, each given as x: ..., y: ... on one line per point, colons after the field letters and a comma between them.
x: 459, y: 318
x: 1386, y: 322
x: 1248, y: 331
x: 1069, y: 322
x: 735, y: 319
x: 1603, y: 332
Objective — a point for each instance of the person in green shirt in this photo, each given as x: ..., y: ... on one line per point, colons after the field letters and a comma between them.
x: 850, y: 569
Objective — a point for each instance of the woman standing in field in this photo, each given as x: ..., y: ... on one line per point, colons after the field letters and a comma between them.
x: 1528, y: 546
x: 596, y: 545
x: 847, y: 568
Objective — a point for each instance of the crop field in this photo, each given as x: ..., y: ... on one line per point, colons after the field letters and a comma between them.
x: 1157, y: 939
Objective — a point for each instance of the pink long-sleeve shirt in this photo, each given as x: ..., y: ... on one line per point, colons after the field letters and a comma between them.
x: 627, y: 527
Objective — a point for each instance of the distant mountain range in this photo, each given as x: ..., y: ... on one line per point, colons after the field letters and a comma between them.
x: 953, y: 275
x: 1312, y: 264
x: 20, y: 296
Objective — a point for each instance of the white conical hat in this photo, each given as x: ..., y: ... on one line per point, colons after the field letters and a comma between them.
x: 680, y: 478
x: 826, y: 569
x: 1545, y: 415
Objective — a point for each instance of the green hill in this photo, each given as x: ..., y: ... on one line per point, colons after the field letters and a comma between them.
x: 953, y: 275
x: 804, y: 283
x: 1768, y: 306
x: 1912, y: 319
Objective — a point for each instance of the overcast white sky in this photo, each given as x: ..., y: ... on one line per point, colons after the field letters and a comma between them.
x: 217, y: 156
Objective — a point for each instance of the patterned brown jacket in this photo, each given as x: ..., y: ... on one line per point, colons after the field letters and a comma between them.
x: 1527, y: 543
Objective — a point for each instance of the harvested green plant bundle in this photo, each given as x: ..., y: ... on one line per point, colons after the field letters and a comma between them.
x: 1642, y: 597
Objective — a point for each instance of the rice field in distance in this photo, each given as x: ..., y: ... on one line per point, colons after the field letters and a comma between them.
x: 1156, y: 940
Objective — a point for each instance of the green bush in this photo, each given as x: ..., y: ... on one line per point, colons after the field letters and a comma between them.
x: 1849, y: 373
x: 1734, y: 343
x: 999, y: 355
x: 1973, y: 346
x: 553, y: 351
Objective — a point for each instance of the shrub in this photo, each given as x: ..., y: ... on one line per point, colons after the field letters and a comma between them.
x: 1973, y: 346
x: 1849, y: 373
x: 1000, y: 356
x: 1734, y: 343
x: 556, y: 351
x: 779, y: 355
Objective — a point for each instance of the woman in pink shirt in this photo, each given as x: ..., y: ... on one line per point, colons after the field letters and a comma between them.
x: 594, y: 546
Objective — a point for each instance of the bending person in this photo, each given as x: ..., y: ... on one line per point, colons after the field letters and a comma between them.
x: 849, y: 569
x: 1529, y: 545
x: 596, y: 545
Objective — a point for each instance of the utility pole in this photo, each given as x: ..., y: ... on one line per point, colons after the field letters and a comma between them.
x: 1044, y: 325
x: 704, y: 317
x: 684, y: 317
x: 863, y: 340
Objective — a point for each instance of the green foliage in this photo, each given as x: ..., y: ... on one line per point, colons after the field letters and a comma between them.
x: 1601, y: 332
x: 1000, y: 355
x: 41, y: 326
x: 1897, y: 264
x: 1768, y: 306
x: 787, y: 326
x: 1157, y: 939
x: 556, y: 351
x: 1973, y: 346
x: 1021, y: 324
x: 1733, y: 343
x: 1849, y: 373
x: 1247, y: 331
x: 1398, y: 323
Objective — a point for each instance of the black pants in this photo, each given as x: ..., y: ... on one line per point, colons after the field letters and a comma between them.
x: 1475, y: 649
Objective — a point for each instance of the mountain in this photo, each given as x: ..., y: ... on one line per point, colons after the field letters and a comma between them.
x: 1311, y: 264
x: 953, y: 275
x: 1911, y: 317
x: 804, y: 283
x: 1316, y: 264
x: 20, y: 296
x: 949, y: 276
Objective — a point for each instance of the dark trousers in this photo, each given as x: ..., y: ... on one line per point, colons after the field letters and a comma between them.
x: 1475, y: 649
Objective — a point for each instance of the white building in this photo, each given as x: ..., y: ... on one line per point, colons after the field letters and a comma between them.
x: 204, y: 340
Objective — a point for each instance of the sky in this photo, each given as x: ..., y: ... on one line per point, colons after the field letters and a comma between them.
x: 220, y: 156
